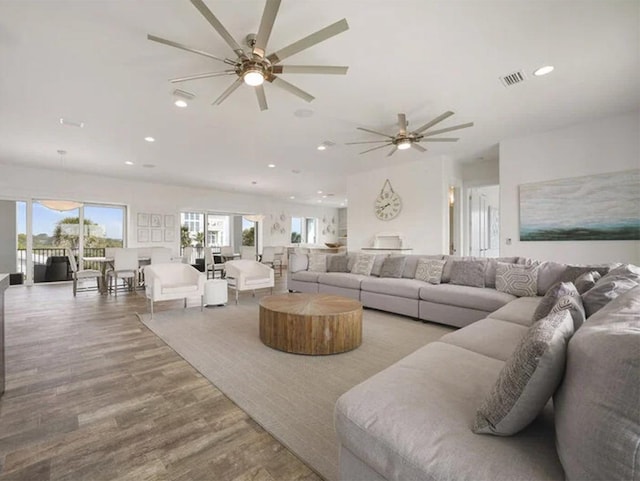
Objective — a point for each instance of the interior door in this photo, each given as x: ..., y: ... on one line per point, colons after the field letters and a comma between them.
x: 479, y: 224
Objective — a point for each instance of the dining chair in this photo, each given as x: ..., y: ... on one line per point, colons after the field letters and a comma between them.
x: 210, y: 264
x: 81, y: 273
x: 125, y: 267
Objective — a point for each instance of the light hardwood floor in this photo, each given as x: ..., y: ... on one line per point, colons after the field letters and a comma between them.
x: 93, y: 395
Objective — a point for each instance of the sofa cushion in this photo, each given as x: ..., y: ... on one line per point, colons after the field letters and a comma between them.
x: 468, y: 273
x: 412, y: 422
x: 305, y: 276
x: 377, y: 264
x: 528, y: 379
x: 519, y: 311
x: 548, y: 273
x: 393, y: 266
x: 318, y: 262
x: 341, y: 279
x: 298, y: 262
x: 489, y: 337
x: 429, y: 270
x: 480, y: 298
x: 516, y: 279
x: 492, y: 265
x: 412, y: 263
x: 363, y: 264
x: 337, y: 263
x: 586, y: 281
x: 394, y: 287
x: 596, y: 406
x: 616, y: 282
x: 553, y: 295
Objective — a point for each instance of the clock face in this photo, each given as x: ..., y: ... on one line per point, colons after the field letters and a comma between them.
x: 387, y: 205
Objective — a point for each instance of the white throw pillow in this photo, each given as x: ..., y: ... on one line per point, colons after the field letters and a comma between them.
x: 363, y: 264
x: 528, y: 378
x: 318, y: 262
x: 429, y: 270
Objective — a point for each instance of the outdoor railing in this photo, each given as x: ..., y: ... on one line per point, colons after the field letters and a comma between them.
x: 40, y: 256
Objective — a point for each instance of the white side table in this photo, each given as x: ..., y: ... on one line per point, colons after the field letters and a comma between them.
x: 215, y: 292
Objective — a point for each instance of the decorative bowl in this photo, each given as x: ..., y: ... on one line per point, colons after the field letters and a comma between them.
x: 332, y: 245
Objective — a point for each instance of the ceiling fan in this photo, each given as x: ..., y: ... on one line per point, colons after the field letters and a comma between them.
x: 406, y: 139
x: 253, y: 67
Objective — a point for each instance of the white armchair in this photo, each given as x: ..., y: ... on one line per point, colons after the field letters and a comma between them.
x: 173, y: 281
x: 248, y: 275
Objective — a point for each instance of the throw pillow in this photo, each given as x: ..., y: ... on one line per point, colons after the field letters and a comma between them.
x: 337, y: 263
x: 490, y: 271
x: 573, y: 304
x: 318, y: 262
x: 393, y: 266
x: 553, y: 295
x: 517, y: 279
x: 468, y: 273
x: 363, y: 264
x: 528, y: 379
x: 298, y: 262
x: 429, y: 270
x: 586, y: 281
x: 377, y: 264
x: 616, y: 282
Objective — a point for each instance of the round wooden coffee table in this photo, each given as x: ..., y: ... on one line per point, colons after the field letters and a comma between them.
x: 310, y: 323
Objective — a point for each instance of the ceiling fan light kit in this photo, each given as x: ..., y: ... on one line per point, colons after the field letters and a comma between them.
x: 254, y: 67
x: 405, y: 139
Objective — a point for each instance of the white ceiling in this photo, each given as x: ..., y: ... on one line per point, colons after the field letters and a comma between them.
x: 90, y: 61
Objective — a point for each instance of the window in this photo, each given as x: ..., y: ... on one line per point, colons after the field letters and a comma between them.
x: 303, y: 230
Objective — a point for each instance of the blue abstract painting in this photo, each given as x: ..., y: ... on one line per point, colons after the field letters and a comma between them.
x: 594, y: 207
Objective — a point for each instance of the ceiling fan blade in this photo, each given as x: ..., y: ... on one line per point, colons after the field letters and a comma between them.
x: 171, y: 43
x: 202, y: 75
x: 228, y: 92
x: 393, y: 151
x: 215, y: 23
x: 448, y: 129
x: 292, y: 88
x: 374, y: 132
x: 443, y: 139
x: 266, y: 25
x: 262, y: 98
x: 317, y: 69
x: 366, y: 142
x: 438, y: 119
x: 308, y: 41
x: 402, y: 122
x: 376, y: 148
x: 418, y: 147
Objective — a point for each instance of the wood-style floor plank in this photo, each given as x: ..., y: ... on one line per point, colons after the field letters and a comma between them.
x: 93, y: 395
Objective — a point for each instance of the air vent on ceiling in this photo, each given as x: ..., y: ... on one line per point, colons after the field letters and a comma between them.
x: 513, y: 78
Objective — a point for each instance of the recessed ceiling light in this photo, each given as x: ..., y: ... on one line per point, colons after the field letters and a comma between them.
x: 543, y: 70
x: 319, y: 200
x: 321, y: 147
x: 319, y: 192
x: 180, y: 103
x: 271, y: 166
x: 324, y: 196
x: 149, y: 139
x: 70, y: 123
x: 128, y: 162
x: 292, y: 197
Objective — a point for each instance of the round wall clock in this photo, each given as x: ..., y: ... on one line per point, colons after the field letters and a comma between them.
x: 388, y: 204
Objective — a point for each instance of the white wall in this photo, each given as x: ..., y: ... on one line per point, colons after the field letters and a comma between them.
x: 605, y: 145
x: 423, y: 221
x: 23, y: 183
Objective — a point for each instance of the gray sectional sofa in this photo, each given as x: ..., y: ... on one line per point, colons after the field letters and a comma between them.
x: 413, y: 421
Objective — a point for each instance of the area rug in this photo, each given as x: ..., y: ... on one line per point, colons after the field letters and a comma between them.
x: 291, y: 396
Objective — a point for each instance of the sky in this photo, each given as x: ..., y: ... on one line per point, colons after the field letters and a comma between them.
x: 45, y: 220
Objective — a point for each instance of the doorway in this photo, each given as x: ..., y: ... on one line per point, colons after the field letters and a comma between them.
x: 484, y: 221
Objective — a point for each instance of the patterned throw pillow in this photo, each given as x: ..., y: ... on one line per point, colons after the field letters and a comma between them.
x: 363, y: 264
x: 615, y: 283
x: 572, y: 304
x: 553, y: 295
x: 430, y: 270
x: 586, y: 281
x: 318, y: 262
x: 468, y: 273
x: 528, y: 378
x: 516, y: 279
x: 337, y: 263
x: 393, y: 266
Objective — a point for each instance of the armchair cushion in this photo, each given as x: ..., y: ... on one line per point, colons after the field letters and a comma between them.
x: 172, y: 281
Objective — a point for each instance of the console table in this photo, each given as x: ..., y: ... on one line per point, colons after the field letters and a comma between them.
x: 4, y: 283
